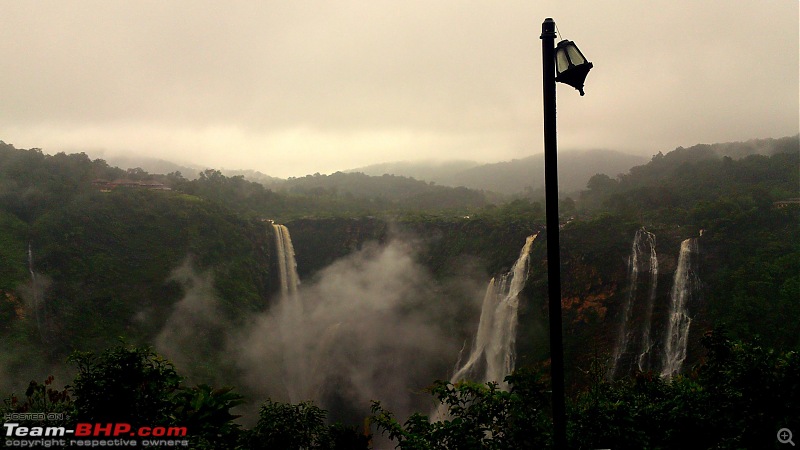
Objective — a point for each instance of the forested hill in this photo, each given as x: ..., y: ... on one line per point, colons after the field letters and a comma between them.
x: 688, y: 178
x: 515, y: 176
x: 55, y: 205
x: 574, y: 170
x: 404, y: 192
x: 31, y: 182
x: 90, y: 252
x: 526, y: 174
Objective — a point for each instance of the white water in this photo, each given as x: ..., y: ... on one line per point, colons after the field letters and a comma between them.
x: 493, y: 349
x: 290, y: 309
x: 643, y: 256
x: 39, y: 312
x: 647, y: 324
x: 287, y: 265
x: 683, y: 288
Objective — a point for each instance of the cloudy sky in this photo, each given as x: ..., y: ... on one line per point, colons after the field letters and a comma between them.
x: 297, y: 87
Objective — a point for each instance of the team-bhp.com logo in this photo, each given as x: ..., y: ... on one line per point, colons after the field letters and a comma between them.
x: 92, y: 434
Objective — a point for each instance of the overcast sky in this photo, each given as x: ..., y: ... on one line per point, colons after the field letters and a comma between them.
x: 297, y: 87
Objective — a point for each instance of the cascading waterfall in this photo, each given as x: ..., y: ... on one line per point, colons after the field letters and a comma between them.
x: 683, y: 289
x: 493, y: 349
x: 645, y: 353
x: 38, y: 310
x: 290, y: 309
x: 287, y: 265
x: 643, y: 257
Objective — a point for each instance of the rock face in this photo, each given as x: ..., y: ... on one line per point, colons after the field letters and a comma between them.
x: 13, y: 308
x: 320, y: 242
x: 610, y: 310
x: 438, y: 243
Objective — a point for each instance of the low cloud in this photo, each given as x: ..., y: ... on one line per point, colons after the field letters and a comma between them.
x: 195, y: 327
x: 368, y: 327
x: 373, y: 325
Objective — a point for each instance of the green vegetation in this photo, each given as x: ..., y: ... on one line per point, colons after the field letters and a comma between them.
x: 749, y: 246
x: 118, y: 263
x: 336, y: 195
x: 121, y: 247
x: 136, y: 386
x: 476, y: 416
x: 12, y: 250
x: 300, y: 426
x: 669, y: 187
x: 737, y: 398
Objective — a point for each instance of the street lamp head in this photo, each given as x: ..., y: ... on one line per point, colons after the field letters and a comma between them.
x: 571, y: 66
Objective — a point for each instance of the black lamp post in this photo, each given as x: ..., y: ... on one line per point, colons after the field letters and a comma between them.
x: 572, y: 69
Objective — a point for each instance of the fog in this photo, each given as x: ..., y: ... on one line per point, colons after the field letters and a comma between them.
x: 373, y: 325
x: 293, y: 88
x: 371, y: 328
x: 195, y: 330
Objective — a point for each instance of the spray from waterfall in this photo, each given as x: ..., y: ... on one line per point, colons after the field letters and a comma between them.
x: 684, y: 287
x: 643, y: 258
x: 369, y: 328
x: 493, y: 350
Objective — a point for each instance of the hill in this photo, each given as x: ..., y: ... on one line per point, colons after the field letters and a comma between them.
x: 574, y: 170
x: 515, y: 176
x: 195, y: 265
x: 156, y: 166
x: 440, y: 172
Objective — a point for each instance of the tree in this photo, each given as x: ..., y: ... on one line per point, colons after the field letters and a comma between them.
x: 738, y: 398
x: 135, y: 385
x: 299, y: 426
x: 205, y: 411
x: 476, y: 416
x: 135, y: 377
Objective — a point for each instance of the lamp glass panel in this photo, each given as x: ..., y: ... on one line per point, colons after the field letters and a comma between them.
x: 575, y: 55
x: 562, y: 63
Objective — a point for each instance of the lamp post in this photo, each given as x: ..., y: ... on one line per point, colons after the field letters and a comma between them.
x: 572, y: 69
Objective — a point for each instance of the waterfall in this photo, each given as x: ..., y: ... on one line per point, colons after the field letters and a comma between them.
x: 493, y: 349
x: 683, y: 289
x: 41, y: 316
x: 290, y: 310
x: 643, y: 257
x: 287, y: 266
x: 645, y: 353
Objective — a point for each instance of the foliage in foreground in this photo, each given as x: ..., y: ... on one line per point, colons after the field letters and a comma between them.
x: 476, y: 417
x: 737, y: 398
x: 135, y: 385
x: 300, y: 426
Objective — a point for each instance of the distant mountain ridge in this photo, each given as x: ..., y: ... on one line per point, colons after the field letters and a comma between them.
x: 148, y: 164
x: 189, y: 171
x: 517, y: 175
x: 575, y: 168
x: 441, y: 172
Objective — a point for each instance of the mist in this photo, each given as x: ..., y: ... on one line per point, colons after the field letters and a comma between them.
x: 195, y: 330
x: 372, y: 327
x: 17, y: 367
